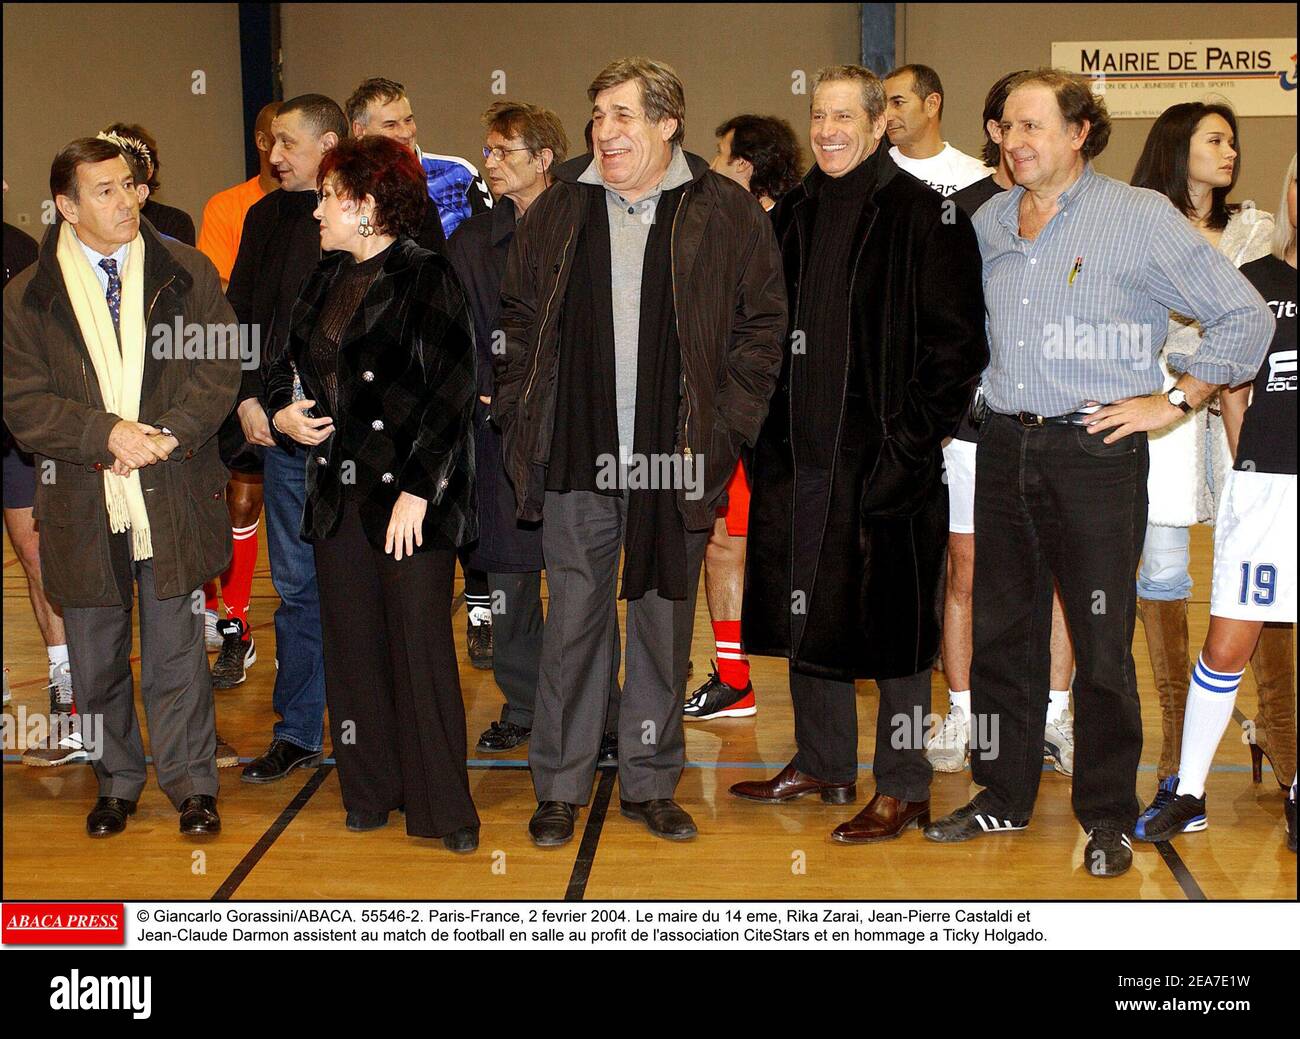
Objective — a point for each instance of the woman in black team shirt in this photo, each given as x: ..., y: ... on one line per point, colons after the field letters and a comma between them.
x: 1254, y: 542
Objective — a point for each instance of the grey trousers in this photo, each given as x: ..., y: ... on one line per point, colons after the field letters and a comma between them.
x: 175, y: 685
x: 517, y: 647
x: 582, y: 537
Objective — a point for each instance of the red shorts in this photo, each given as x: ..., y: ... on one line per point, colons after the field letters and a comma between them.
x: 736, y: 511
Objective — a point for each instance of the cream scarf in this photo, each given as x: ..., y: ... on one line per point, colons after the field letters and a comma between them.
x: 119, y: 371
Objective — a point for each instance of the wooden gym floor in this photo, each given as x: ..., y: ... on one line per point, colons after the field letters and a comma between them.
x: 287, y: 841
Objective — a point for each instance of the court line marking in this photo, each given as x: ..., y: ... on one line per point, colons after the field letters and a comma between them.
x: 254, y: 855
x: 1181, y: 873
x: 577, y: 888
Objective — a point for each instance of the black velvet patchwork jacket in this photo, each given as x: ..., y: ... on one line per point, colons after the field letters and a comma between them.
x: 406, y: 388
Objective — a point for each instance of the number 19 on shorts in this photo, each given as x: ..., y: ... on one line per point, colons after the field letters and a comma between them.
x: 1258, y: 584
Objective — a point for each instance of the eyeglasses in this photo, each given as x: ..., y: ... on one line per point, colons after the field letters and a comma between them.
x: 500, y: 153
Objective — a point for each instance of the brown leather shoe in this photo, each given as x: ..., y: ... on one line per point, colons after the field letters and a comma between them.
x: 883, y: 819
x: 789, y: 784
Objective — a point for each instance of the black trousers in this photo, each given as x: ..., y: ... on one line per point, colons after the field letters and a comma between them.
x: 826, y: 711
x: 1057, y: 502
x: 396, y: 716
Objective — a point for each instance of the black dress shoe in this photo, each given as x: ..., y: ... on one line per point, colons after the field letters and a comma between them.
x: 360, y: 822
x: 199, y: 816
x: 108, y: 816
x: 608, y: 749
x: 664, y: 817
x: 463, y: 840
x: 281, y: 758
x: 552, y: 824
x: 500, y: 737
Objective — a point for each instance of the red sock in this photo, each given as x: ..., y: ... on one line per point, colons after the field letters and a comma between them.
x: 237, y: 581
x: 733, y: 665
x: 210, y: 596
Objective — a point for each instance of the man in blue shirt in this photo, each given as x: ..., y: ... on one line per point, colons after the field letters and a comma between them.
x: 1080, y: 272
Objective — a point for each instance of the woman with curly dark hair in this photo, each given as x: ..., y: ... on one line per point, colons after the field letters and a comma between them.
x: 377, y: 382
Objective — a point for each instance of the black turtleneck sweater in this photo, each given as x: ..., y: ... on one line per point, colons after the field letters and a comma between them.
x: 817, y: 376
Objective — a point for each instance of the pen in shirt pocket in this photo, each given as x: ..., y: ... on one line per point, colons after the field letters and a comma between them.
x: 1074, y: 271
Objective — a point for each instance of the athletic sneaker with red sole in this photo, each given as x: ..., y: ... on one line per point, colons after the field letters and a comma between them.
x: 716, y: 699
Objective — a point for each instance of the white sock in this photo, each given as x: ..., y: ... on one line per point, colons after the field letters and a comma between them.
x: 480, y: 615
x: 1210, y: 698
x: 1293, y: 778
x: 57, y: 654
x: 960, y: 698
x: 1058, y: 702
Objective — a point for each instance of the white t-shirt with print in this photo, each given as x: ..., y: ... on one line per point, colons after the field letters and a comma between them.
x: 946, y: 172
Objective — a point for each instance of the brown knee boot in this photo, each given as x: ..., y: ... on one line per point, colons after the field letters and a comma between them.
x: 1165, y: 623
x: 1273, y: 665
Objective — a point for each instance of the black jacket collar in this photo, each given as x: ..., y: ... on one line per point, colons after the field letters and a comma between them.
x: 159, y: 267
x: 504, y: 218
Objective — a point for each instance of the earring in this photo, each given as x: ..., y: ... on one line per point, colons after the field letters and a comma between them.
x: 363, y: 228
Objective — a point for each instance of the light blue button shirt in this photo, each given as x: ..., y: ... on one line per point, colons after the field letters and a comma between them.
x: 1079, y: 314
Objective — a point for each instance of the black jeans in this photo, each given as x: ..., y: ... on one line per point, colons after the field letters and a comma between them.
x: 1056, y: 502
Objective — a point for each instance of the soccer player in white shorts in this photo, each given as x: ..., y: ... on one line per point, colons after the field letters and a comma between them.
x: 1254, y: 546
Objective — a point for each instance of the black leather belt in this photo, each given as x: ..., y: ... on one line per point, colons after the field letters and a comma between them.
x: 1029, y: 420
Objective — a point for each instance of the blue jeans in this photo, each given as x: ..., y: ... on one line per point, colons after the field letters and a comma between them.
x: 1164, y: 573
x: 299, y: 697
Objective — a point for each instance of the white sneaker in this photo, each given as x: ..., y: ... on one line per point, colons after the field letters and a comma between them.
x: 211, y: 637
x: 949, y: 747
x: 1058, y: 743
x: 61, y: 701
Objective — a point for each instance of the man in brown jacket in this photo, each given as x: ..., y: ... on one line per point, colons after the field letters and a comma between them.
x: 644, y: 315
x: 119, y: 364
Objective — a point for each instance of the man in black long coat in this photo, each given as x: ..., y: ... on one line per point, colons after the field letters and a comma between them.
x: 848, y: 521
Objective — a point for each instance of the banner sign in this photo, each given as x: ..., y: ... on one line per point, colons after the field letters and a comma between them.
x: 1141, y: 78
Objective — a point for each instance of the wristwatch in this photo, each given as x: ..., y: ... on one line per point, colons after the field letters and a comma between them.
x: 1178, y: 399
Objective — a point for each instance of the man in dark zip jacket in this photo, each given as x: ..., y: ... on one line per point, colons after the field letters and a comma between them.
x: 644, y: 314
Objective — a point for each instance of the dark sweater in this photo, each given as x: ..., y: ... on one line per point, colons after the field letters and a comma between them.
x: 349, y: 288
x: 169, y: 221
x: 817, y: 375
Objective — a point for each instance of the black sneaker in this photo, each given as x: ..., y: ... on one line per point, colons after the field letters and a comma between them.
x: 237, y: 653
x: 500, y: 737
x: 716, y: 699
x: 1170, y: 814
x: 1290, y: 823
x: 968, y: 822
x: 479, y: 637
x: 1109, y: 853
